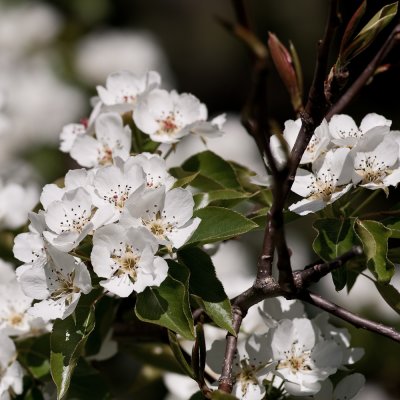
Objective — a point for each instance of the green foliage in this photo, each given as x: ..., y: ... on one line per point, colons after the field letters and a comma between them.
x: 168, y: 304
x: 334, y: 237
x: 206, y: 287
x: 214, y: 169
x: 68, y: 340
x: 218, y: 223
x: 374, y: 237
x: 222, y: 197
x: 219, y: 395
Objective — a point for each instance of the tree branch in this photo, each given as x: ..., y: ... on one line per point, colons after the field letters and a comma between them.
x: 348, y: 316
x: 318, y: 271
x: 363, y: 78
x: 226, y: 379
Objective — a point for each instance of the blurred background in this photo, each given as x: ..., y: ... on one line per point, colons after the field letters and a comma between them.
x: 53, y: 54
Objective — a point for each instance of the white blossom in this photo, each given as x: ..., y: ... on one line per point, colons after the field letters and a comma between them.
x: 329, y: 181
x: 303, y: 360
x: 11, y: 372
x: 69, y: 134
x: 112, y: 139
x: 346, y: 133
x: 376, y: 162
x: 14, y: 319
x: 251, y: 365
x: 7, y: 272
x: 72, y: 218
x: 114, y: 184
x: 123, y: 87
x: 125, y: 257
x: 155, y: 170
x: 167, y: 215
x: 169, y: 116
x: 59, y: 285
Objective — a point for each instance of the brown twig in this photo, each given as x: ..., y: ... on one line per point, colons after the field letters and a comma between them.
x: 226, y: 378
x: 368, y: 72
x: 318, y: 271
x: 350, y: 317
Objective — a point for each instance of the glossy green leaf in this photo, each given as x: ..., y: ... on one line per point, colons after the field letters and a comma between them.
x: 185, y: 179
x: 179, y: 356
x: 202, y: 200
x: 167, y: 305
x: 390, y: 294
x: 218, y: 223
x: 68, y: 340
x: 335, y: 237
x: 34, y: 355
x: 88, y: 383
x: 213, y: 167
x: 374, y: 237
x: 205, y: 285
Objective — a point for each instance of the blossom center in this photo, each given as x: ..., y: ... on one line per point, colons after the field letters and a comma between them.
x: 16, y: 319
x: 128, y: 262
x: 323, y: 187
x: 372, y: 170
x: 168, y: 125
x: 296, y: 360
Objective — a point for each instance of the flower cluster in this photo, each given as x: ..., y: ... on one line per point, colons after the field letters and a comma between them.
x: 123, y: 205
x: 280, y: 349
x: 342, y: 155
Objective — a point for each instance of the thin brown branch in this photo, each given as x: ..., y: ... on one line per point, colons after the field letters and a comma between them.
x: 350, y: 317
x: 368, y: 72
x: 316, y: 272
x: 226, y: 379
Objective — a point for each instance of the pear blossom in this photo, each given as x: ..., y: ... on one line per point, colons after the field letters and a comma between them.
x: 15, y: 203
x: 376, y: 162
x: 329, y: 181
x: 155, y: 170
x: 11, y: 372
x: 123, y: 87
x: 125, y: 257
x: 69, y: 134
x: 318, y: 144
x: 14, y: 319
x: 346, y: 133
x: 341, y: 336
x: 59, y: 285
x: 112, y: 139
x: 169, y: 116
x: 303, y: 360
x: 114, y: 184
x: 30, y: 247
x: 167, y: 215
x: 72, y: 218
x: 251, y: 365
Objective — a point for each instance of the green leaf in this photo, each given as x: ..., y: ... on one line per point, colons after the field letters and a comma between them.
x: 68, y: 340
x: 88, y: 383
x: 218, y: 223
x: 202, y: 200
x: 180, y: 358
x: 370, y: 31
x: 205, y: 285
x: 34, y: 354
x: 374, y: 237
x: 167, y: 305
x: 389, y: 294
x: 213, y: 167
x: 335, y: 237
x: 219, y: 395
x: 185, y: 179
